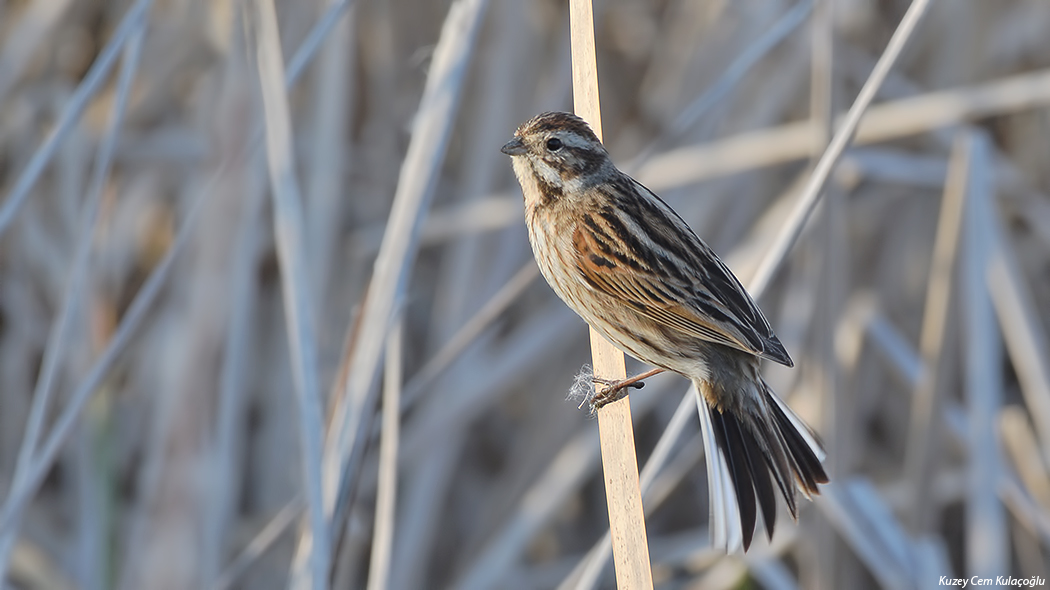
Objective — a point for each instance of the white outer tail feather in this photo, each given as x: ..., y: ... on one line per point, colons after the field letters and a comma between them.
x: 723, y: 512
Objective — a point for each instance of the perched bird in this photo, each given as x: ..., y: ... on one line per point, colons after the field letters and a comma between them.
x: 624, y: 261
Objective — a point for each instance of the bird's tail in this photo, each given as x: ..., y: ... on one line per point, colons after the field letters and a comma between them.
x: 748, y: 452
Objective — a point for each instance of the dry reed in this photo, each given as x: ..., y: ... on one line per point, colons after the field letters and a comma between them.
x: 171, y: 340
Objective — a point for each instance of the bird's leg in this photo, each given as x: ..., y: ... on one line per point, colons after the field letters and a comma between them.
x: 615, y: 388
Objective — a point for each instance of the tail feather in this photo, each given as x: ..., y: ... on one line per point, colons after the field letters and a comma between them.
x: 804, y: 448
x: 801, y: 429
x: 776, y: 452
x: 727, y: 433
x: 723, y: 516
x: 745, y: 454
x: 767, y: 498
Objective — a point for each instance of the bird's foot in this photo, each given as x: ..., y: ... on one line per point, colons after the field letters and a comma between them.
x: 616, y: 389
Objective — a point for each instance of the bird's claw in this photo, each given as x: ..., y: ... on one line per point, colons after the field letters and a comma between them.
x: 614, y: 390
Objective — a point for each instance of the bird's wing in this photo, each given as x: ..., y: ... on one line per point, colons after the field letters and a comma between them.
x: 678, y: 282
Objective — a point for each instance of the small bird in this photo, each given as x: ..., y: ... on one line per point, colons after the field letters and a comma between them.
x: 624, y: 261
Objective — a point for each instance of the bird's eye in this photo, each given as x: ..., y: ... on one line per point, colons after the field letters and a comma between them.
x: 554, y: 144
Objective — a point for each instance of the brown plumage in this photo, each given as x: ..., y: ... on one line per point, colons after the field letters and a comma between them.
x: 633, y: 269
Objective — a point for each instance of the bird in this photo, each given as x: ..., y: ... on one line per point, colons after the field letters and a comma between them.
x: 634, y: 270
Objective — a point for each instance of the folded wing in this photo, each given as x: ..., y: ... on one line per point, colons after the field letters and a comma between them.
x: 643, y: 253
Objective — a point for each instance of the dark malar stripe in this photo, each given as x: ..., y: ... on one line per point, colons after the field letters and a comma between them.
x: 548, y: 192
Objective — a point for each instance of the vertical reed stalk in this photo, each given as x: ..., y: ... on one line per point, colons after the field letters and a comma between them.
x: 622, y: 491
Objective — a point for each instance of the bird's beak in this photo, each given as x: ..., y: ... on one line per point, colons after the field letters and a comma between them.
x: 514, y: 147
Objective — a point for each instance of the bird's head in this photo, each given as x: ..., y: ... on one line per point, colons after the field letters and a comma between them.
x: 556, y: 153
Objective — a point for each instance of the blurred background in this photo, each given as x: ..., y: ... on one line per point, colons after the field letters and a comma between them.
x: 153, y: 424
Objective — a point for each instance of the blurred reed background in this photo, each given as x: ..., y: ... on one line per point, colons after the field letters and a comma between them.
x: 171, y: 366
